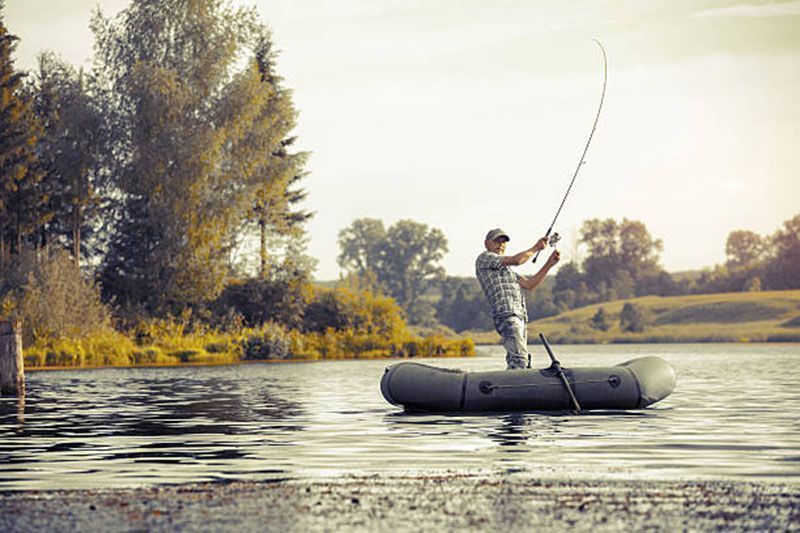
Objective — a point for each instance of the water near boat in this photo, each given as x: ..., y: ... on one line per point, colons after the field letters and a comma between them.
x: 733, y: 415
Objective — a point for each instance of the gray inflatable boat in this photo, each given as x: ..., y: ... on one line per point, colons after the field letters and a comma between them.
x: 630, y: 385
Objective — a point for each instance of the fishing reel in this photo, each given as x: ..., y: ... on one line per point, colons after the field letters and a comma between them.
x: 552, y: 241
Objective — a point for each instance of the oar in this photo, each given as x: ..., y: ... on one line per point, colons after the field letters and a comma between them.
x: 557, y: 366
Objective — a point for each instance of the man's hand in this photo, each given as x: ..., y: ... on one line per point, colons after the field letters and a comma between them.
x: 553, y: 259
x: 540, y: 245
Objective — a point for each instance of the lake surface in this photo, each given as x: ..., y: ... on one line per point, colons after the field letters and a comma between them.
x: 735, y: 414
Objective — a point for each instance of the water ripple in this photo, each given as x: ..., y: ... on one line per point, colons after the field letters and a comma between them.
x: 728, y: 418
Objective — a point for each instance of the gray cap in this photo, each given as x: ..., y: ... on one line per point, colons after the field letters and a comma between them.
x: 496, y: 234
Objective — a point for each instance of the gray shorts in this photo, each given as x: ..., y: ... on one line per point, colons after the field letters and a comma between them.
x: 515, y: 340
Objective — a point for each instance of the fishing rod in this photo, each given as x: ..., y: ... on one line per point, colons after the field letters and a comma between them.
x: 553, y: 240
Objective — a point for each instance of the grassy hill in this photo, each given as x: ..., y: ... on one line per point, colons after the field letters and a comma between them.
x: 770, y: 316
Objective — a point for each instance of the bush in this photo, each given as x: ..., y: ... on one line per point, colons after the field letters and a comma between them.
x: 271, y: 341
x: 153, y: 356
x: 631, y: 318
x: 600, y: 320
x: 360, y: 311
x: 280, y: 298
x: 51, y: 297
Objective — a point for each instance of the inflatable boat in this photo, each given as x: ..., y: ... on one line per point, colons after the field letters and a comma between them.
x: 630, y: 385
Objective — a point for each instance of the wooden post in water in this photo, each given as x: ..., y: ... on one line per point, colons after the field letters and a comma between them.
x: 12, y: 368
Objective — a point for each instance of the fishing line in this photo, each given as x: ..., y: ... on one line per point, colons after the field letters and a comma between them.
x: 553, y: 240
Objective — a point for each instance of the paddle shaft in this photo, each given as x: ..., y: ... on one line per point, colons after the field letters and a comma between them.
x: 557, y: 366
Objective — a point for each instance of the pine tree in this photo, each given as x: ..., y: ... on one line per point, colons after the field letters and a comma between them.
x: 275, y: 194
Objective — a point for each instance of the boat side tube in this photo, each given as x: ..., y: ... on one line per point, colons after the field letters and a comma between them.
x: 633, y: 384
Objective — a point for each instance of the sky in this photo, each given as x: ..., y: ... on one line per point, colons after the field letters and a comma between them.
x: 467, y: 115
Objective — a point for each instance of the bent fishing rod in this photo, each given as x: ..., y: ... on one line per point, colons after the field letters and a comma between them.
x: 553, y: 240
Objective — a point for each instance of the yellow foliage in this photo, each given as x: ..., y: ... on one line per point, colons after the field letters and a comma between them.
x: 368, y: 326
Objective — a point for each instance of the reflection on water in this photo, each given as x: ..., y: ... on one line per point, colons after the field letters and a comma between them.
x: 733, y: 415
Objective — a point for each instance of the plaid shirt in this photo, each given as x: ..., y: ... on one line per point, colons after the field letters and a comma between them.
x: 500, y: 286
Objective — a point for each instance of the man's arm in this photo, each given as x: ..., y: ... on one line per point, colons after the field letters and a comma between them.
x: 525, y: 255
x: 531, y: 282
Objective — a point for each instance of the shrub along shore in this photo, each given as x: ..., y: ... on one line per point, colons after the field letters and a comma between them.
x: 269, y: 342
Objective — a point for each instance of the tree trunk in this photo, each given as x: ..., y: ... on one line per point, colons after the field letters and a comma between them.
x: 18, y: 230
x: 263, y: 252
x: 12, y: 367
x: 76, y: 237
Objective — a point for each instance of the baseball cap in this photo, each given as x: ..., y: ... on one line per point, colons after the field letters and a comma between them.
x: 496, y: 234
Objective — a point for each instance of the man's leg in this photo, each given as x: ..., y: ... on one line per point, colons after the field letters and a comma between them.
x: 514, y: 336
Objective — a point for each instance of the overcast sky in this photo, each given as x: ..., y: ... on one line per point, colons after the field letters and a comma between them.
x: 466, y: 114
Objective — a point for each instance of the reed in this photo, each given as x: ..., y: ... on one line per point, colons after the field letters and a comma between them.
x: 170, y: 346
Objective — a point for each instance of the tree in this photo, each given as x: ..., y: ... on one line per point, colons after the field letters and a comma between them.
x: 71, y: 153
x: 282, y: 297
x: 744, y: 249
x: 600, y: 320
x: 631, y: 318
x: 21, y: 200
x: 409, y: 267
x: 783, y: 271
x: 194, y: 135
x: 615, y: 248
x: 403, y: 260
x: 275, y: 193
x: 361, y: 244
x: 462, y: 305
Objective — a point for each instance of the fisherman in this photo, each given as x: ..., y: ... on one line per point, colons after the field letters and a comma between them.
x: 503, y: 289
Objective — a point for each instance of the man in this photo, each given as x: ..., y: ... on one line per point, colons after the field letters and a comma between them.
x: 503, y: 289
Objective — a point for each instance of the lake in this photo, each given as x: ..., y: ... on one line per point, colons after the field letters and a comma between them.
x: 733, y: 415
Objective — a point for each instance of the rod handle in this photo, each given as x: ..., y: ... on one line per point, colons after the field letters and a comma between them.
x: 535, y: 257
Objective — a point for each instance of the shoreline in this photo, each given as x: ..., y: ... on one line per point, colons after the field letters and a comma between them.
x: 411, y: 502
x: 478, y: 345
x: 249, y: 362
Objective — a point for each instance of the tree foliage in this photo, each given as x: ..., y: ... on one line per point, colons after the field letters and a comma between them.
x: 621, y: 255
x: 22, y: 203
x: 198, y: 142
x: 276, y: 196
x: 600, y: 320
x: 71, y: 153
x: 783, y: 271
x: 52, y: 298
x: 462, y: 305
x: 403, y: 260
x: 744, y: 248
x: 755, y: 262
x: 631, y: 318
x: 621, y: 262
x: 280, y: 297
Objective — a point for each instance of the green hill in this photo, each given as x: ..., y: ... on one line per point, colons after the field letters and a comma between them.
x: 770, y: 316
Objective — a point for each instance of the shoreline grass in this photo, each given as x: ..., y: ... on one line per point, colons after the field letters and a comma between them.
x: 112, y: 349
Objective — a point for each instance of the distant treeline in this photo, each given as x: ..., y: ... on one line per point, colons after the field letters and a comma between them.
x: 622, y: 262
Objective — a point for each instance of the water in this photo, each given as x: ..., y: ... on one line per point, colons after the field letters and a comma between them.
x: 733, y: 415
